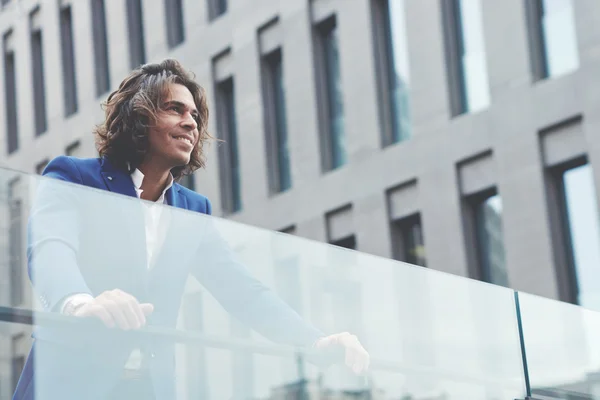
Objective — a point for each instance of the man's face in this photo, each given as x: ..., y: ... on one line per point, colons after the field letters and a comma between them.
x: 175, y: 135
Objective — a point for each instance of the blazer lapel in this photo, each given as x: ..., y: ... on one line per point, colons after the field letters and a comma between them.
x: 116, y: 180
x: 174, y: 197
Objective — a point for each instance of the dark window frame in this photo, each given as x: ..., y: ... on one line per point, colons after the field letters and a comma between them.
x: 70, y: 149
x: 216, y: 8
x: 401, y: 239
x: 534, y: 11
x: 326, y: 96
x: 454, y: 50
x: 228, y: 149
x: 68, y: 61
x: 276, y: 129
x: 100, y: 45
x: 175, y: 22
x: 477, y: 264
x: 10, y: 95
x: 36, y: 38
x: 135, y: 29
x: 390, y: 120
x: 562, y: 248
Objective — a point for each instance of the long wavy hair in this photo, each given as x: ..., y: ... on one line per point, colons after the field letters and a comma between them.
x: 133, y: 108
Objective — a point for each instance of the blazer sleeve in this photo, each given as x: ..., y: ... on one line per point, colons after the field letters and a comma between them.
x: 53, y: 235
x: 246, y: 298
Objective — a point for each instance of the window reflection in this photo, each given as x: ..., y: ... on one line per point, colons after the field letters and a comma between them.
x: 398, y: 74
x: 474, y: 67
x: 489, y: 240
x: 336, y: 145
x: 584, y: 233
x: 560, y: 38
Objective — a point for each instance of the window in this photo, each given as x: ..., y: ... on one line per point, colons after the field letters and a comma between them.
x: 100, y: 47
x: 10, y: 94
x: 15, y: 245
x: 37, y: 64
x: 216, y: 8
x: 580, y: 231
x: 278, y: 156
x: 331, y: 106
x: 175, y: 26
x: 68, y: 61
x: 465, y: 56
x: 135, y: 28
x: 349, y: 242
x: 73, y: 149
x: 553, y: 38
x: 229, y: 168
x: 487, y: 236
x: 39, y: 168
x: 407, y: 237
x: 393, y: 71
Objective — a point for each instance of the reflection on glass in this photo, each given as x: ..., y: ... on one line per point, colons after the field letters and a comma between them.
x: 490, y: 242
x: 473, y: 59
x: 399, y: 74
x: 334, y: 95
x: 563, y: 352
x: 584, y: 233
x: 419, y: 326
x: 560, y: 37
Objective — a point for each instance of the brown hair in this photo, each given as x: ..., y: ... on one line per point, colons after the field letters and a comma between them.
x: 133, y: 108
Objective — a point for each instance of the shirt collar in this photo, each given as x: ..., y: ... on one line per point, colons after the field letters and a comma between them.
x: 138, y: 177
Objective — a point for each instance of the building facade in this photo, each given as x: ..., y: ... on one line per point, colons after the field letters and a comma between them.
x: 461, y: 135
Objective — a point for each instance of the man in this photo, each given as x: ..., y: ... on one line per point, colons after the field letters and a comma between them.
x: 116, y: 262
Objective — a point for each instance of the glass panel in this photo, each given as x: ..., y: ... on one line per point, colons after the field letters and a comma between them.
x: 563, y: 352
x: 490, y: 242
x: 400, y: 73
x: 221, y: 328
x: 584, y: 233
x: 473, y: 57
x: 560, y: 37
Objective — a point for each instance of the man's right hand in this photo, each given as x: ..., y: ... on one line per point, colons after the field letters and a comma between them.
x: 116, y: 308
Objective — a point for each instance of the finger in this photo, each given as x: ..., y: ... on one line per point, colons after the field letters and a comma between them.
x: 94, y: 310
x: 130, y: 308
x: 117, y: 313
x: 147, y: 308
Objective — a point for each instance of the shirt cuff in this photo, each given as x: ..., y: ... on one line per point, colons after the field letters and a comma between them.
x: 74, y: 300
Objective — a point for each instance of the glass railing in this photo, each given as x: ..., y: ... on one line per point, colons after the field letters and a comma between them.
x: 237, y: 309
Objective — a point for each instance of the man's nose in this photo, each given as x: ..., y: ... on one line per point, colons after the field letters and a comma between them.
x: 189, y: 122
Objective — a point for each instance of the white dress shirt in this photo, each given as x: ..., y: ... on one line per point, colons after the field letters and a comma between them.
x: 154, y: 239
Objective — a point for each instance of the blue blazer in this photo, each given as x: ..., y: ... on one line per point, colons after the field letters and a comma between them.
x: 81, y: 241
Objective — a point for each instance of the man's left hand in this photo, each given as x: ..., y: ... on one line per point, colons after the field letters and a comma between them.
x: 356, y: 358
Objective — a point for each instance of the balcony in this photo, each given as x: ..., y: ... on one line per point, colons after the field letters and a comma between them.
x: 237, y: 308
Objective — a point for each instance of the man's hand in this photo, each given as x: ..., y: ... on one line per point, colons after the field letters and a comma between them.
x: 357, y: 357
x: 116, y: 308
